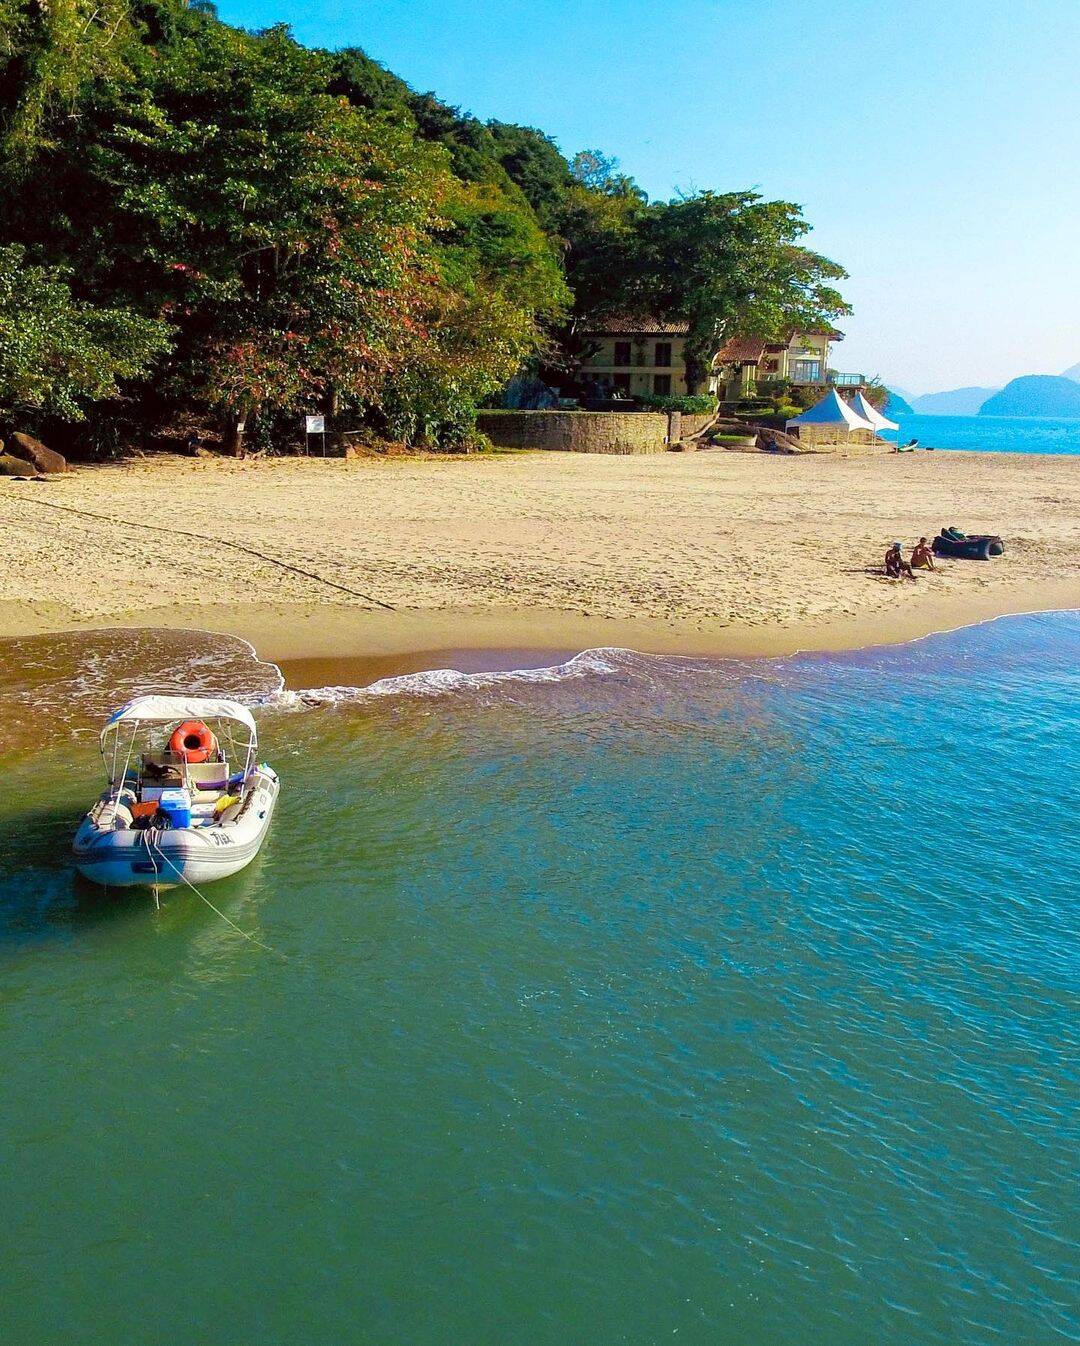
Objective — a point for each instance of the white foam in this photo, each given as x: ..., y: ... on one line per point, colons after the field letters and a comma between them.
x: 65, y: 684
x: 448, y: 681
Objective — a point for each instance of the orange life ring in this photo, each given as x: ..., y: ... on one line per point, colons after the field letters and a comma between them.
x: 193, y: 742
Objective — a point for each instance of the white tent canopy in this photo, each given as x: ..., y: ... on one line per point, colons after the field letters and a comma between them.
x: 870, y: 413
x: 832, y: 410
x: 160, y: 708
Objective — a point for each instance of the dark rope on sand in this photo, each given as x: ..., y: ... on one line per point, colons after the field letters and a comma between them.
x: 221, y: 542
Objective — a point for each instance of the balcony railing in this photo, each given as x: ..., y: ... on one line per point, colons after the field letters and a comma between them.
x: 839, y: 380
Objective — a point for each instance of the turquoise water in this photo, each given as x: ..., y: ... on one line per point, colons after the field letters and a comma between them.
x: 997, y: 434
x: 645, y: 999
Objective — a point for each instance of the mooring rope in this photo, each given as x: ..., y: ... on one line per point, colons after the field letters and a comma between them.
x: 202, y: 896
x: 220, y: 541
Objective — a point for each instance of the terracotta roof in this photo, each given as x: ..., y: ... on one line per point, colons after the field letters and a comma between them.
x: 747, y: 350
x: 639, y: 326
x: 741, y: 351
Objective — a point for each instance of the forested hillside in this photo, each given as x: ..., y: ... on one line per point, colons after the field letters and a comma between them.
x: 201, y: 222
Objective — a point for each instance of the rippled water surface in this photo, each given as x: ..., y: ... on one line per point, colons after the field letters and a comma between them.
x: 639, y: 1000
x: 994, y: 434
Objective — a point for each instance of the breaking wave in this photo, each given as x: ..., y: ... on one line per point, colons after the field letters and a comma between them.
x: 598, y: 663
x: 64, y: 686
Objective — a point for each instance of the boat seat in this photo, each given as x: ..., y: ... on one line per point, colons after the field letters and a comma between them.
x: 205, y: 778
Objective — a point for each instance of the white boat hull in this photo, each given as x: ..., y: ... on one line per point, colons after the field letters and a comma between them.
x: 124, y: 857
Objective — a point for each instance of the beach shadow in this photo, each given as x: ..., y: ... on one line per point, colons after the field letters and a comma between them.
x: 875, y: 573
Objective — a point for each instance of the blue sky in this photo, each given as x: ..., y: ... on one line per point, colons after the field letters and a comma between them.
x: 934, y: 146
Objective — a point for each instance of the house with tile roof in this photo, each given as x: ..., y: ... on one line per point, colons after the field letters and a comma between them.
x: 633, y: 356
x: 744, y: 364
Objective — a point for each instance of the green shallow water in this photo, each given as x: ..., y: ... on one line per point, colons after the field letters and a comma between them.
x: 657, y: 999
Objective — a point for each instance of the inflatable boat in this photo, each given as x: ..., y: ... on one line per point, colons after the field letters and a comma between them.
x: 977, y: 547
x: 186, y: 801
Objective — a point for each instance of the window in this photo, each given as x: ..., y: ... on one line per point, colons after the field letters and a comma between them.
x: 622, y: 382
x: 771, y: 366
x: 622, y: 353
x: 807, y: 371
x: 663, y: 353
x: 661, y: 384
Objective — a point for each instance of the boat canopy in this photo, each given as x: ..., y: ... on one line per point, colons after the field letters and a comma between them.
x: 870, y: 413
x: 159, y: 708
x: 832, y: 410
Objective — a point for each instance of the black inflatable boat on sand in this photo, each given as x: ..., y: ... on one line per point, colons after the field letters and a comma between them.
x: 977, y: 547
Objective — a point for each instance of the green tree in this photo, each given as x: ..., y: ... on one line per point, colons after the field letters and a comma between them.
x: 354, y: 254
x: 500, y: 285
x: 49, y: 55
x: 366, y: 83
x: 602, y: 216
x: 57, y: 355
x: 285, y: 232
x: 317, y: 234
x: 601, y: 172
x: 534, y: 163
x: 307, y: 242
x: 731, y: 262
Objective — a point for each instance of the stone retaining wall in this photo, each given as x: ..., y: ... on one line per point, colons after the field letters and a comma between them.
x: 690, y: 425
x: 578, y: 431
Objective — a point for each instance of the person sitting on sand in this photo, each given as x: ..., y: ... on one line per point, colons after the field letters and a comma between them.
x: 895, y: 565
x: 922, y: 556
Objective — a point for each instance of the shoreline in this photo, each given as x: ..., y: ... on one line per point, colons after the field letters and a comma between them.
x: 338, y: 645
x: 706, y: 554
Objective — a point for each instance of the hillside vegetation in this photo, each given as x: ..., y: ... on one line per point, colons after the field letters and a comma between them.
x: 205, y: 223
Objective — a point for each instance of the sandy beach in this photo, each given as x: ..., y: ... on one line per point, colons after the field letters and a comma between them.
x: 700, y: 553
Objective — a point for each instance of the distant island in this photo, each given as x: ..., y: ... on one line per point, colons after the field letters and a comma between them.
x: 954, y: 402
x: 1035, y: 395
x: 1029, y: 395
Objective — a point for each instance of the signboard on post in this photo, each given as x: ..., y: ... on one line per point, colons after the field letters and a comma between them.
x: 315, y: 425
